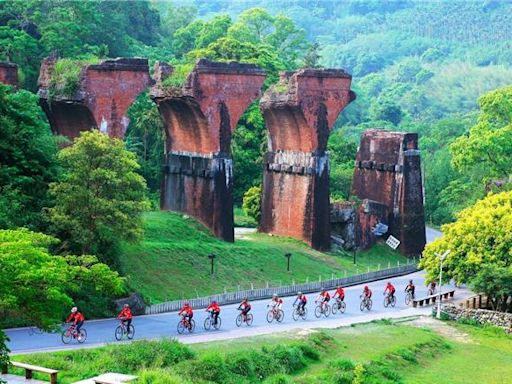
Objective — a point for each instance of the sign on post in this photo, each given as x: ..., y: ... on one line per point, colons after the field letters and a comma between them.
x: 393, y: 242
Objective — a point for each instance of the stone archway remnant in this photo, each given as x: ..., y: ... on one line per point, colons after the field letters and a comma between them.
x: 104, y: 94
x: 199, y: 119
x: 299, y: 111
x: 388, y: 172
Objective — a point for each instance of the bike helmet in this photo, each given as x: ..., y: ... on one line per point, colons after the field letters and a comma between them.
x: 410, y: 281
x: 366, y: 288
x: 299, y: 293
x: 274, y: 295
x: 127, y: 305
x: 74, y: 310
x: 214, y: 302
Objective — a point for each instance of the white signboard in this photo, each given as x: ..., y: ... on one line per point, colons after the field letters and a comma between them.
x: 393, y: 242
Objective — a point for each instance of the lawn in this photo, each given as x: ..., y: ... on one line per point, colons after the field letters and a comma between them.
x: 171, y: 262
x: 379, y: 352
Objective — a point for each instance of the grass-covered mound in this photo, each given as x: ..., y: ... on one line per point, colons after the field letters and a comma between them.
x: 171, y: 262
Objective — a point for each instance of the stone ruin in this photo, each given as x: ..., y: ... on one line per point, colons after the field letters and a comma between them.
x: 387, y: 177
x: 105, y: 92
x: 299, y: 113
x: 199, y: 119
x: 9, y: 73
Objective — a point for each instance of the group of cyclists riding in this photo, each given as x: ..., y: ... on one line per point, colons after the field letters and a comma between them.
x: 125, y: 316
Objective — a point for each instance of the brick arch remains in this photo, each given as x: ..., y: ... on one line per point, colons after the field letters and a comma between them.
x: 106, y: 92
x: 199, y: 119
x: 299, y: 113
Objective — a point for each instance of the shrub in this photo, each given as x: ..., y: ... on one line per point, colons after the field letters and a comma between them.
x: 159, y: 377
x: 345, y: 377
x: 211, y: 367
x: 309, y: 351
x: 241, y: 364
x: 321, y: 339
x: 343, y: 364
x: 252, y: 203
x: 65, y: 78
x: 264, y: 366
x: 278, y: 379
x: 157, y: 354
x: 178, y: 76
x: 288, y: 357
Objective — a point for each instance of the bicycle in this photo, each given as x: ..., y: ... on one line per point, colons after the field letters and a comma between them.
x: 299, y: 313
x: 209, y: 322
x: 276, y: 314
x: 366, y: 302
x: 408, y: 297
x: 339, y: 305
x: 247, y: 319
x: 389, y: 300
x: 323, y: 308
x: 122, y: 330
x: 70, y: 333
x: 186, y: 324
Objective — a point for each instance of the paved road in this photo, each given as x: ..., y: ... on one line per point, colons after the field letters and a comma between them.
x: 164, y: 325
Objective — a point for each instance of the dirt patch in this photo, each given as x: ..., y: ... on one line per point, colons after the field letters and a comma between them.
x: 442, y: 329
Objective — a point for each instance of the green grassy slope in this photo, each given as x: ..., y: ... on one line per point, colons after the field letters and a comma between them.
x: 382, y: 352
x: 171, y: 262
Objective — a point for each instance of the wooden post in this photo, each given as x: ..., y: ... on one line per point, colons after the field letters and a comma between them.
x: 28, y: 373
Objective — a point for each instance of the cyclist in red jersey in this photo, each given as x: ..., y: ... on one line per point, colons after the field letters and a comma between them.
x: 340, y: 292
x: 245, y: 307
x: 323, y: 297
x: 126, y: 316
x: 214, y: 309
x: 302, y: 299
x: 276, y: 303
x: 186, y: 312
x: 410, y: 288
x: 390, y: 289
x: 77, y: 318
x: 367, y: 292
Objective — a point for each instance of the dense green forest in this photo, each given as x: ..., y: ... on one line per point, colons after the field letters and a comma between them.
x: 417, y: 66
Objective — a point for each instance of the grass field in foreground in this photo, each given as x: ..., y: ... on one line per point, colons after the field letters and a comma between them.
x: 379, y: 352
x: 171, y: 262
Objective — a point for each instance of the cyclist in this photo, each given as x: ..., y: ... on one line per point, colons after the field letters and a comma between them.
x: 367, y: 292
x: 340, y: 292
x: 245, y: 307
x: 323, y: 298
x: 390, y: 290
x: 187, y: 313
x: 126, y: 316
x: 77, y: 318
x: 302, y: 300
x: 214, y: 309
x: 276, y: 303
x: 410, y: 288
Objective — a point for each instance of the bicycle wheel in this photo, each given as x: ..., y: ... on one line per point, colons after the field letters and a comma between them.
x: 82, y: 336
x: 327, y: 310
x: 131, y: 332
x: 407, y: 298
x: 318, y: 311
x: 335, y: 307
x: 181, y: 327
x: 270, y: 316
x: 386, y: 302
x: 369, y: 305
x: 119, y: 333
x: 219, y: 323
x: 362, y: 306
x: 192, y: 326
x: 238, y: 320
x: 207, y: 323
x: 280, y: 316
x: 66, y: 336
x: 343, y: 306
x: 249, y: 318
x: 304, y: 314
x: 393, y: 301
x: 295, y: 314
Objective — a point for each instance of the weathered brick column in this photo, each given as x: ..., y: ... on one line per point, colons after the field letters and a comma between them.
x: 8, y: 73
x: 104, y: 94
x: 299, y: 112
x: 199, y: 119
x: 388, y: 171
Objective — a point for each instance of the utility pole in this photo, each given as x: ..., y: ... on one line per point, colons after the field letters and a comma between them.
x: 288, y: 256
x: 212, y: 257
x: 441, y: 259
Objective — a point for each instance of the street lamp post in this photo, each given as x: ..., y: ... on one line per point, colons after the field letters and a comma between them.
x: 211, y: 256
x: 288, y: 255
x: 355, y: 255
x: 441, y: 259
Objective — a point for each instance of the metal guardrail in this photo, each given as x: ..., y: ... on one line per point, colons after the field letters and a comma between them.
x: 289, y: 290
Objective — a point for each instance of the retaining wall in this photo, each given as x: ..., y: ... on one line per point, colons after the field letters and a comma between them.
x: 290, y: 290
x: 481, y: 316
